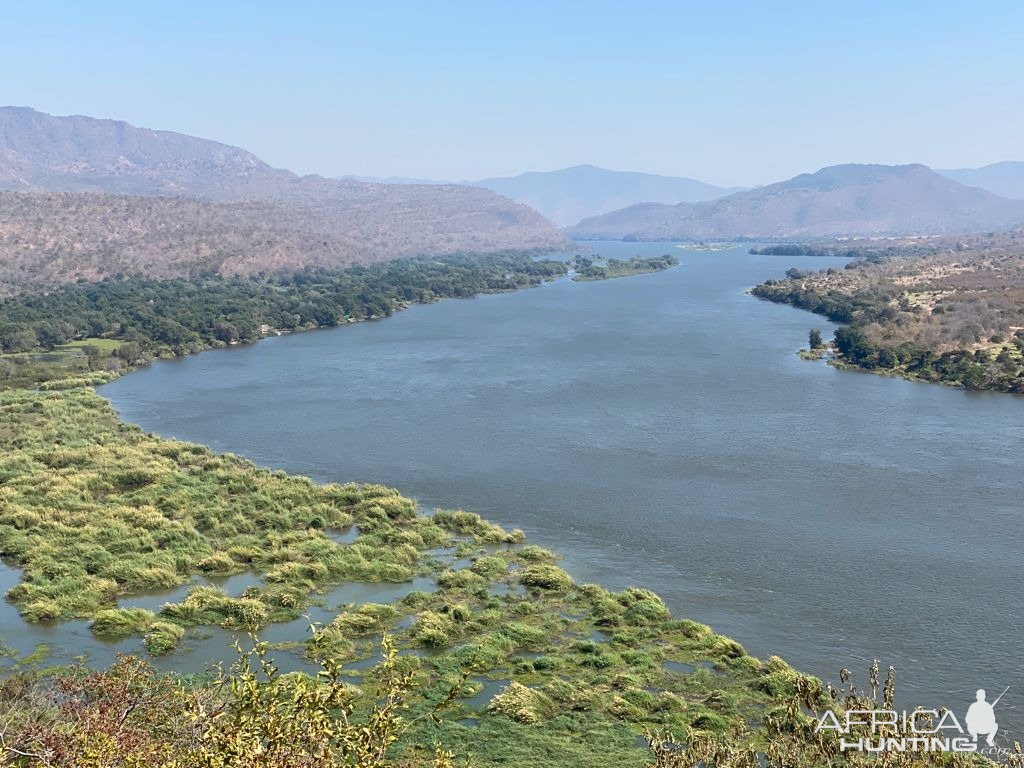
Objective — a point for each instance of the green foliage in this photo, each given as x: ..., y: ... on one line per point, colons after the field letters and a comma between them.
x: 93, y: 509
x: 545, y: 577
x: 115, y: 622
x: 252, y: 717
x: 587, y: 270
x: 85, y: 333
x: 523, y: 705
x: 163, y: 637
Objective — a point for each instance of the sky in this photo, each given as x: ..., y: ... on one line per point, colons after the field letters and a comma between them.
x: 733, y: 93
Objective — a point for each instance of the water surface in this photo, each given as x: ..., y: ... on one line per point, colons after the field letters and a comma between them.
x: 659, y: 430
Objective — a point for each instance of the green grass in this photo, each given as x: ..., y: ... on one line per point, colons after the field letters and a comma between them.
x: 104, y: 345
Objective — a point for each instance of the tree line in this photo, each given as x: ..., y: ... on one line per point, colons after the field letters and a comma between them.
x: 152, y: 318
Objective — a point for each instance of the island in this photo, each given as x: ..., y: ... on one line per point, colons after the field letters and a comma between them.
x: 588, y: 269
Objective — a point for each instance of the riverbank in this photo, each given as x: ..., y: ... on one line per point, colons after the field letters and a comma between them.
x: 954, y: 317
x: 96, y: 513
x: 97, y: 329
x: 615, y: 662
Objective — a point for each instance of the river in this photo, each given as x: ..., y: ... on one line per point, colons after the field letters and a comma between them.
x: 659, y: 430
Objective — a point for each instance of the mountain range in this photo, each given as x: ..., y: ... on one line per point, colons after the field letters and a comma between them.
x: 571, y: 194
x: 1005, y: 178
x: 243, y: 215
x: 839, y: 201
x: 568, y: 195
x: 87, y: 198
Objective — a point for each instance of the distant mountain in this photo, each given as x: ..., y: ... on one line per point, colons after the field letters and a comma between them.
x: 49, y: 238
x: 571, y: 194
x: 352, y: 221
x: 1005, y: 179
x: 401, y: 180
x: 40, y: 152
x: 843, y: 200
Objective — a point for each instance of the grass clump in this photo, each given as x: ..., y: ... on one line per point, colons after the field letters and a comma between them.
x: 545, y: 577
x: 364, y: 619
x: 464, y: 579
x: 163, y: 637
x: 522, y: 705
x: 93, y: 509
x: 121, y: 622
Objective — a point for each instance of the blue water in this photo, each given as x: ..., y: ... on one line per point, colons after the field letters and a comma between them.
x: 659, y: 430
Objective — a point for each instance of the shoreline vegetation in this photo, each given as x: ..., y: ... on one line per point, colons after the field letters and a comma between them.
x: 940, y: 310
x: 88, y: 333
x: 504, y: 661
x: 589, y: 269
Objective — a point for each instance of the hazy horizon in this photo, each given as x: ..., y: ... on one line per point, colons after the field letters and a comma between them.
x: 737, y: 95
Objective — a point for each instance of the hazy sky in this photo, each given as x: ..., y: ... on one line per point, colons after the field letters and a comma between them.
x: 728, y: 92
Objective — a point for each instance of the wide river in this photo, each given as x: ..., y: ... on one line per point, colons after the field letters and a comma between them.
x: 660, y: 430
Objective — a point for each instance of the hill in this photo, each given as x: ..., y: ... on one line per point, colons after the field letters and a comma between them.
x: 839, y: 201
x: 1005, y: 179
x: 45, y: 153
x: 202, y: 205
x: 950, y: 310
x: 571, y: 194
x: 568, y: 195
x: 51, y: 238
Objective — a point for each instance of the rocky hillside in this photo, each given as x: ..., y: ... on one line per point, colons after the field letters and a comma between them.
x: 840, y: 201
x: 88, y: 198
x: 44, y: 153
x: 52, y: 238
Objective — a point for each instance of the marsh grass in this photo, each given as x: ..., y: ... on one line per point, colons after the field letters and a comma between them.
x: 92, y: 509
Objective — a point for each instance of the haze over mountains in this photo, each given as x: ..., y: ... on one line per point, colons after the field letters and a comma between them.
x: 88, y: 198
x: 572, y: 194
x: 568, y: 195
x: 839, y: 201
x: 244, y: 217
x: 1005, y: 179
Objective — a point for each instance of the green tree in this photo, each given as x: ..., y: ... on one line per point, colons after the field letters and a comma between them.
x: 814, y: 339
